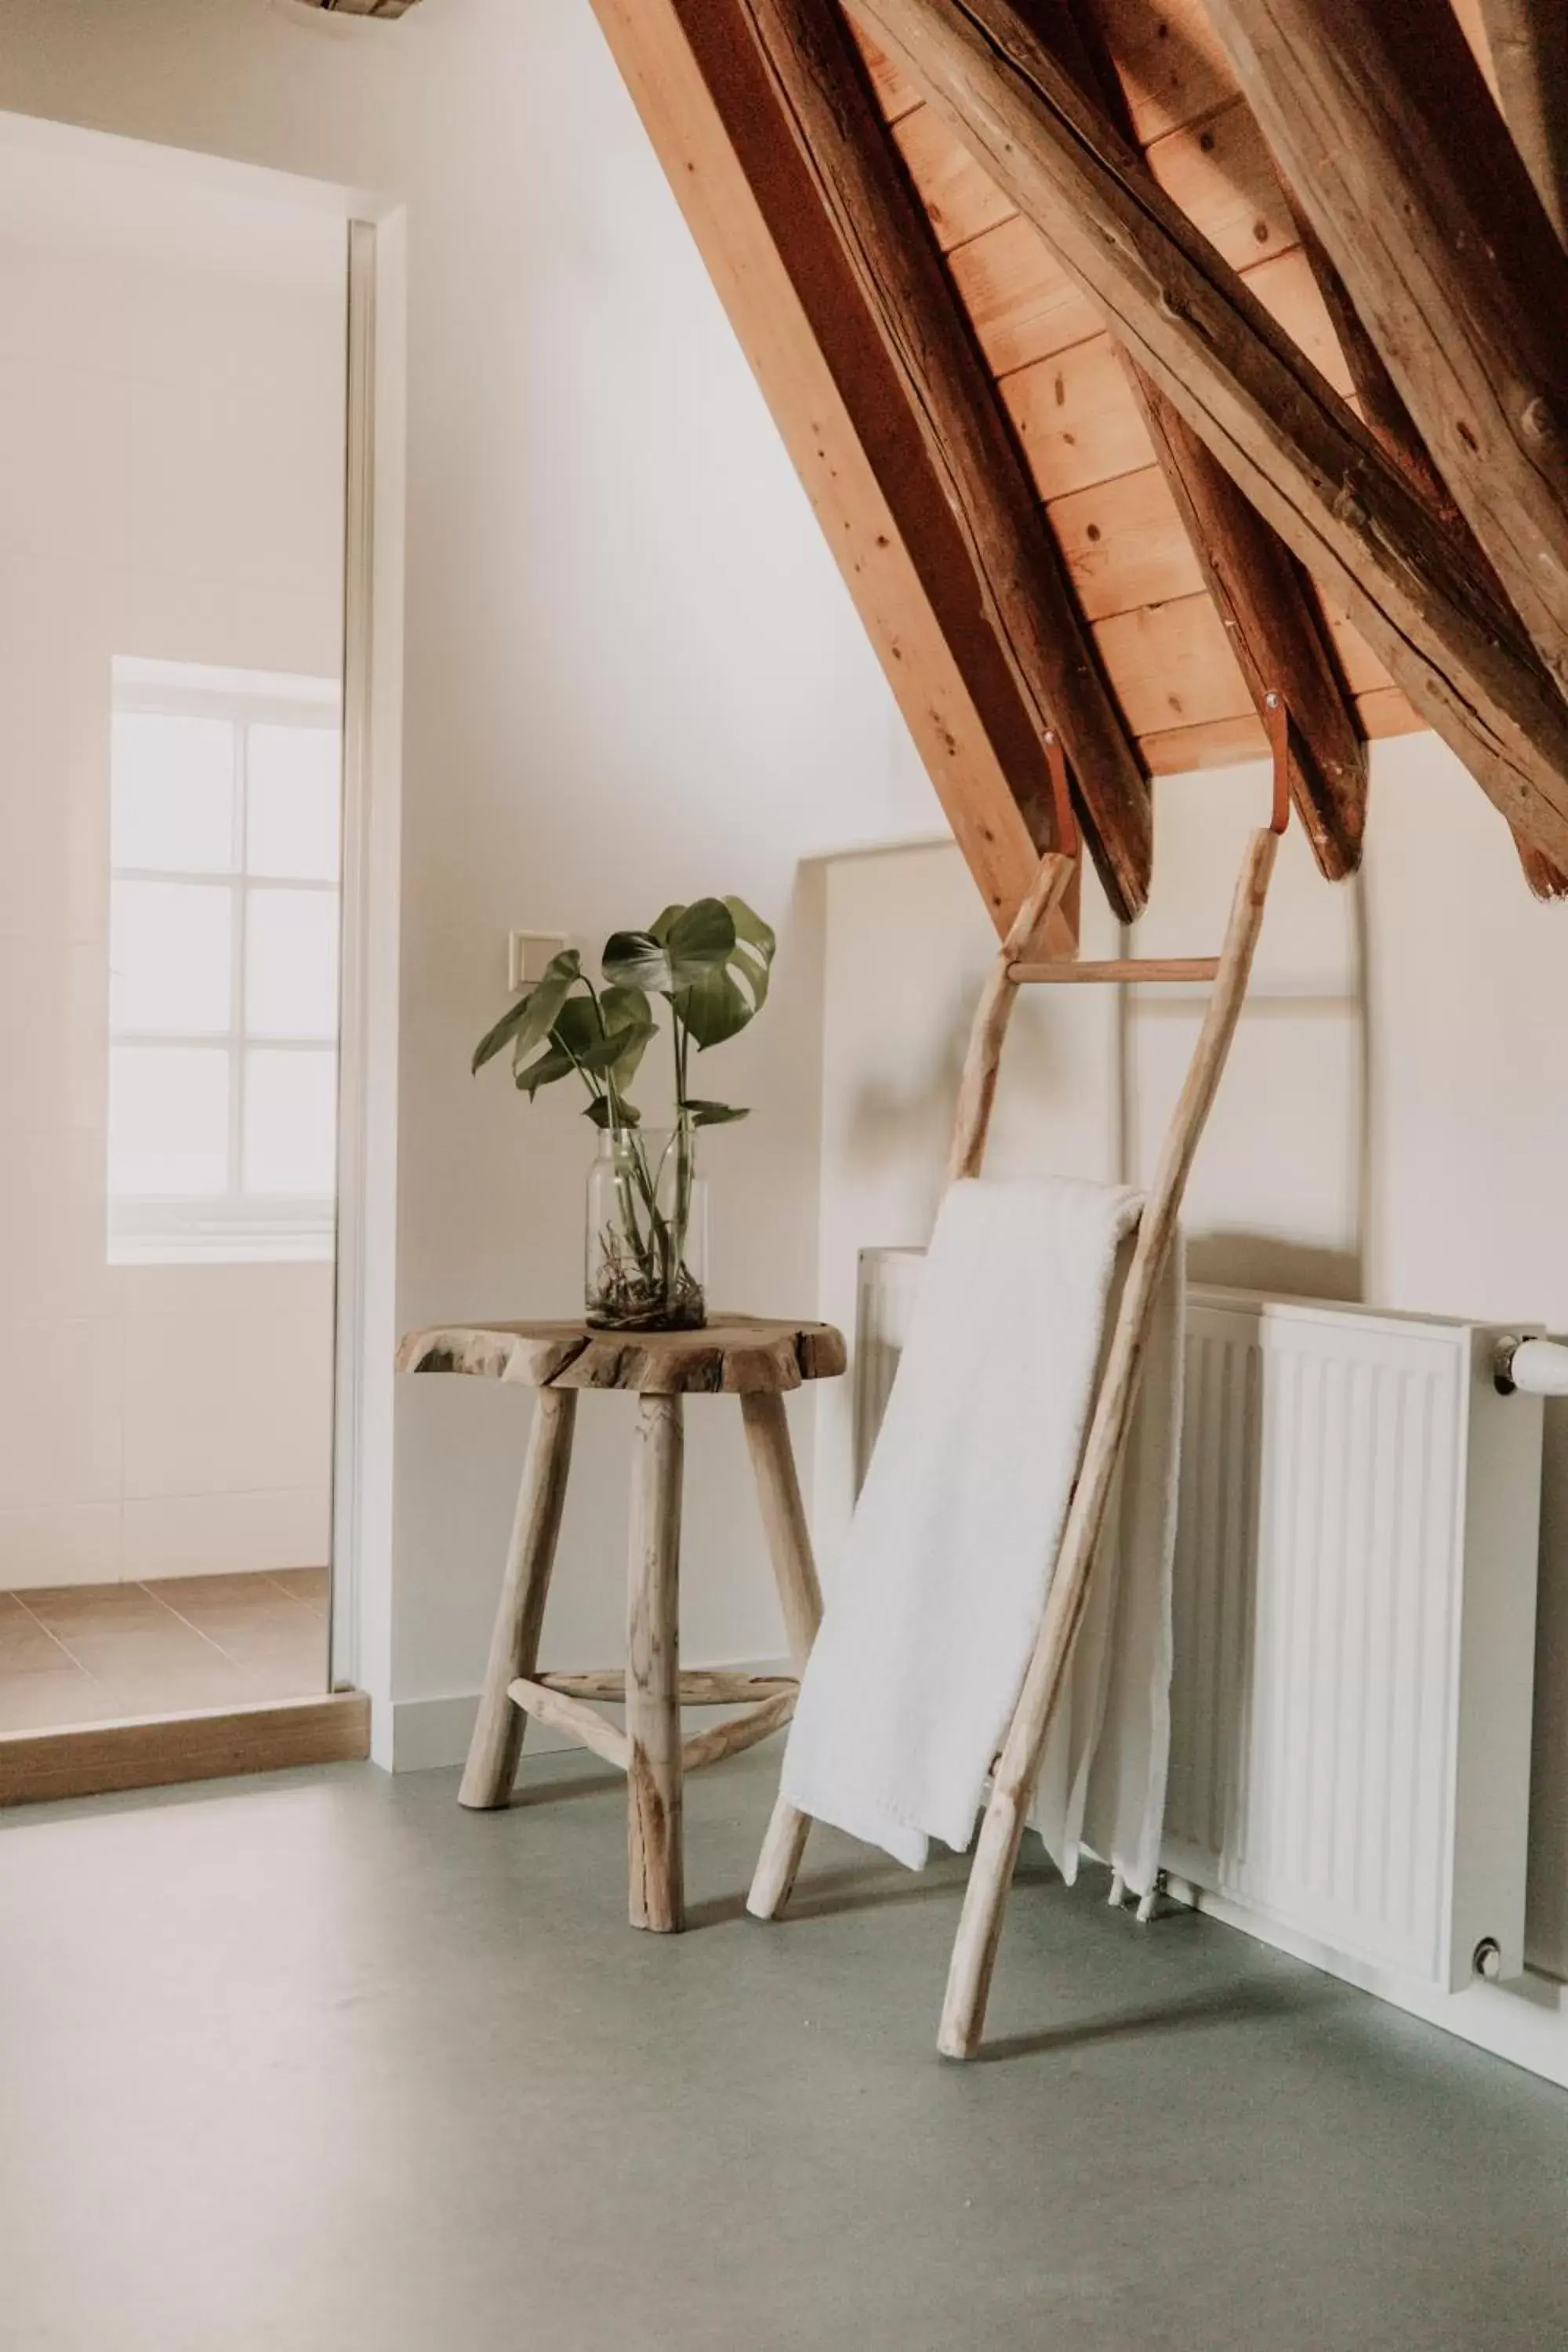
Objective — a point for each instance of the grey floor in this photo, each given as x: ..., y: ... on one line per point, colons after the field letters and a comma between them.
x: 321, y: 2064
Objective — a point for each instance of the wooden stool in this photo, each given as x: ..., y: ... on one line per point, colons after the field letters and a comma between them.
x: 735, y: 1355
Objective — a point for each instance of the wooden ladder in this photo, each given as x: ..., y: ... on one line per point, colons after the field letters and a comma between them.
x: 1017, y: 1768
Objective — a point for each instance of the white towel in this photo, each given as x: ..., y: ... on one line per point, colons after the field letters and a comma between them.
x: 933, y: 1613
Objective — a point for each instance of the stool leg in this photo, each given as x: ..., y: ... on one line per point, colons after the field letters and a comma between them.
x: 497, y: 1742
x: 800, y: 1597
x: 784, y: 1519
x: 653, y: 1671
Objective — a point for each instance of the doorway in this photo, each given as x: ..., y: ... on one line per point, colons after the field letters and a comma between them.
x: 173, y: 397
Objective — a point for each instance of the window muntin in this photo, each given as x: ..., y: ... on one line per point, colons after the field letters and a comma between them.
x: 225, y: 822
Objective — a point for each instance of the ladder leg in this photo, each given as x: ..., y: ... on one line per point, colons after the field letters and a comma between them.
x: 784, y: 1849
x: 985, y: 1897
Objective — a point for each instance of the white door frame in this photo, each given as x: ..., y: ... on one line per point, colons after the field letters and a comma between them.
x: 366, y: 1329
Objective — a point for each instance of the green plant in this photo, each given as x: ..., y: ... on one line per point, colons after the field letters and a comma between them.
x: 710, y: 964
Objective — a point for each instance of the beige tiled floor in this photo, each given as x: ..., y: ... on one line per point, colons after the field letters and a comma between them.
x: 93, y: 1653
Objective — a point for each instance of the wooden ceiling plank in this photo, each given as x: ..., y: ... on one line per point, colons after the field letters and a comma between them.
x: 1125, y: 544
x: 1299, y: 454
x: 1264, y: 605
x: 864, y: 513
x: 820, y: 85
x: 1386, y: 132
x: 961, y: 201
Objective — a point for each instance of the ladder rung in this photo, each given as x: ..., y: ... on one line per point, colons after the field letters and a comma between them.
x: 1150, y: 968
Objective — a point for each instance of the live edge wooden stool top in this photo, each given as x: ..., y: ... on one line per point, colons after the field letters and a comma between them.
x: 747, y: 1356
x: 732, y: 1355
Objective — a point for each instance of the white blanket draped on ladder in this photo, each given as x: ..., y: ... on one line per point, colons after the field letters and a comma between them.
x: 933, y: 1611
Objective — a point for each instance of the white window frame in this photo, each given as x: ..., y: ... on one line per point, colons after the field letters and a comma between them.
x: 232, y: 1227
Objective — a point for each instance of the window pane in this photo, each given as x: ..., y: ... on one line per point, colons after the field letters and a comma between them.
x: 168, y: 1122
x: 172, y: 793
x: 169, y: 957
x: 291, y: 963
x: 290, y: 1123
x: 291, y: 802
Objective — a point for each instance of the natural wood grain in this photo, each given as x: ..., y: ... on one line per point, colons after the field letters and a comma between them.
x: 1021, y: 303
x: 1388, y: 712
x: 1294, y: 448
x: 961, y: 199
x: 1173, y: 63
x: 1213, y: 743
x: 700, y: 1686
x: 896, y: 95
x: 778, y: 1863
x: 733, y: 1354
x: 1121, y: 968
x: 1125, y: 543
x: 988, y: 1031
x: 1174, y: 664
x: 1390, y: 139
x: 740, y: 184
x: 819, y: 85
x: 657, y: 1889
x: 496, y: 1740
x: 1013, y: 1785
x: 1272, y: 623
x: 741, y: 1732
x: 583, y: 1724
x: 784, y: 1523
x: 154, y: 1752
x: 1077, y: 418
x: 1529, y: 43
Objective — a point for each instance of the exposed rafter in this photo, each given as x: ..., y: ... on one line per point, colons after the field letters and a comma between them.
x: 1267, y: 608
x: 1383, y: 125
x: 1391, y: 421
x: 1019, y: 573
x: 1299, y: 456
x: 699, y: 86
x: 1528, y: 43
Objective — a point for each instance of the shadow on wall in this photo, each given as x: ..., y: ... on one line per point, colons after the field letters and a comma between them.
x: 1263, y: 1262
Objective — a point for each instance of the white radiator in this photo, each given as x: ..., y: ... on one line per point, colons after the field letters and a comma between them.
x: 1354, y: 1623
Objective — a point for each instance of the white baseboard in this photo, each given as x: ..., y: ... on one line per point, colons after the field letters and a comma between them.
x: 430, y: 1734
x: 1524, y: 2021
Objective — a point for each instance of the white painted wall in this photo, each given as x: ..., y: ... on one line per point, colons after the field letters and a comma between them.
x: 1444, y: 1191
x: 631, y: 674
x: 171, y: 410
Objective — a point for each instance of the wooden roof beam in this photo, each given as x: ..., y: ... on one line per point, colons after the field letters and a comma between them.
x: 1529, y: 43
x: 1019, y: 578
x: 1390, y: 422
x: 1286, y: 438
x: 1386, y: 132
x: 1269, y: 616
x: 693, y: 74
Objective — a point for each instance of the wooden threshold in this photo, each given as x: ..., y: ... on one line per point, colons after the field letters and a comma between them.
x: 156, y: 1751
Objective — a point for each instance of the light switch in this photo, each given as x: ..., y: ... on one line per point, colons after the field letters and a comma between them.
x: 528, y: 953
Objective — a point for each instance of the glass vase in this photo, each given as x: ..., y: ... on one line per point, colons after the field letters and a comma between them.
x: 648, y: 1232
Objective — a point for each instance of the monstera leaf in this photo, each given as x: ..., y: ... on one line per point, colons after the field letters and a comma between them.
x: 674, y: 951
x: 528, y: 1021
x: 720, y: 1001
